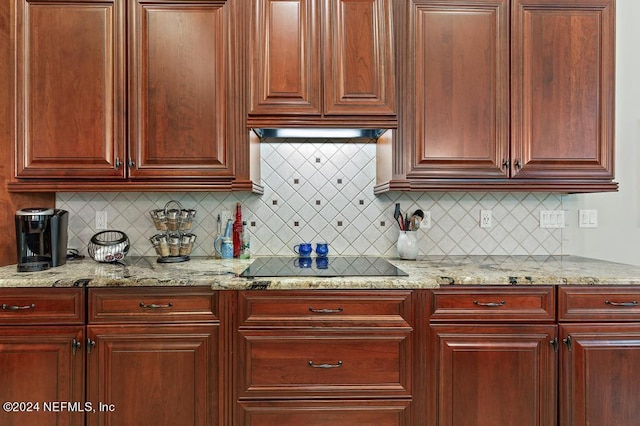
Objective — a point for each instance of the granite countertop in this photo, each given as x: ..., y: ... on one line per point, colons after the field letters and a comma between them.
x: 426, y: 272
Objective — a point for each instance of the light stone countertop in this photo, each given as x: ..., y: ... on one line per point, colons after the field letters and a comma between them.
x: 426, y: 272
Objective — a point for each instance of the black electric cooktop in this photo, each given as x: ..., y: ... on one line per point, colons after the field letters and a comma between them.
x: 321, y: 267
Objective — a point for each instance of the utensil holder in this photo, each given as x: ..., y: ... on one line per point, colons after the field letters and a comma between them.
x: 407, y: 245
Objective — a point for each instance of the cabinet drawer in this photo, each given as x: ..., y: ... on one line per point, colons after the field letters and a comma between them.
x: 41, y: 306
x: 278, y: 364
x: 615, y: 303
x: 158, y: 305
x: 322, y: 413
x: 326, y: 308
x: 495, y: 303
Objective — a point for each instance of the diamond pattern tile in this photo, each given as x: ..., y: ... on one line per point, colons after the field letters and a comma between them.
x: 303, y: 177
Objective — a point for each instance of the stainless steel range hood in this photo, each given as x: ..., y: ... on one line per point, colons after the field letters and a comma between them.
x: 317, y: 133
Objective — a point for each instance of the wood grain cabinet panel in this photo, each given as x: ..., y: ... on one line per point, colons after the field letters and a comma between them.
x: 326, y: 308
x: 154, y: 375
x: 152, y: 305
x: 131, y: 96
x: 42, y: 360
x: 292, y: 364
x: 494, y: 374
x: 180, y: 76
x: 320, y: 357
x: 322, y: 413
x: 494, y: 303
x: 600, y: 364
x: 563, y: 59
x: 504, y: 95
x: 322, y: 62
x: 42, y: 306
x: 603, y: 303
x: 460, y: 89
x: 600, y: 354
x: 42, y: 364
x: 69, y: 89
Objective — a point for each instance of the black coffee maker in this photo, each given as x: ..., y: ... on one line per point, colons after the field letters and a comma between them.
x: 41, y: 238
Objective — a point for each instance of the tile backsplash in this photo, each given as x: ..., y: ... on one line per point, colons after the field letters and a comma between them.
x: 324, y: 192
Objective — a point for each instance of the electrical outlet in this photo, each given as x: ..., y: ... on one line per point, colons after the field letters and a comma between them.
x: 426, y: 221
x: 101, y: 220
x: 486, y: 220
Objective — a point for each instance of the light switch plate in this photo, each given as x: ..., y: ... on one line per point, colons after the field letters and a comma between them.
x: 551, y: 218
x: 588, y: 219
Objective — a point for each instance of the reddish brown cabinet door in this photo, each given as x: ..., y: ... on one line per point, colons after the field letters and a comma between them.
x: 319, y: 61
x: 153, y: 375
x: 285, y: 57
x: 563, y: 59
x: 69, y: 89
x: 600, y: 365
x: 40, y: 367
x: 458, y: 89
x: 181, y: 85
x: 493, y: 375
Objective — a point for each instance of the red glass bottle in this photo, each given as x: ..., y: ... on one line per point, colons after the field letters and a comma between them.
x: 237, y: 231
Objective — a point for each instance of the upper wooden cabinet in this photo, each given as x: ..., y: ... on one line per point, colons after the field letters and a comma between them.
x: 130, y: 95
x: 500, y: 95
x: 322, y: 62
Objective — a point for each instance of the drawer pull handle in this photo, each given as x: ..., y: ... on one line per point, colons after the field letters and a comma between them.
x: 490, y: 304
x: 630, y: 304
x: 336, y: 365
x: 6, y: 307
x: 155, y: 306
x: 325, y: 311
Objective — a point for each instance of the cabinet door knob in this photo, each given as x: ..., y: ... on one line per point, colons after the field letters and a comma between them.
x: 517, y: 165
x: 118, y: 163
x: 131, y: 163
x: 75, y: 345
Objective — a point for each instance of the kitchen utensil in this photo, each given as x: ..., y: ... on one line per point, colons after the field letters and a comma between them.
x: 398, y: 216
x: 415, y: 223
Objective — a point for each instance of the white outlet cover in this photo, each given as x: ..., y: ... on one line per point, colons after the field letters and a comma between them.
x: 486, y: 220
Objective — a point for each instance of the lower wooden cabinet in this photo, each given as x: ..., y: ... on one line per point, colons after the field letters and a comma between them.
x: 600, y: 355
x: 42, y: 372
x: 493, y: 375
x: 325, y: 413
x: 42, y: 363
x: 153, y: 375
x: 325, y: 358
x: 153, y: 356
x: 458, y: 355
x: 491, y: 356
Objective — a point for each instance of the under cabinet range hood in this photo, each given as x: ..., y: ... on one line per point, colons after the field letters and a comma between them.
x: 337, y: 134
